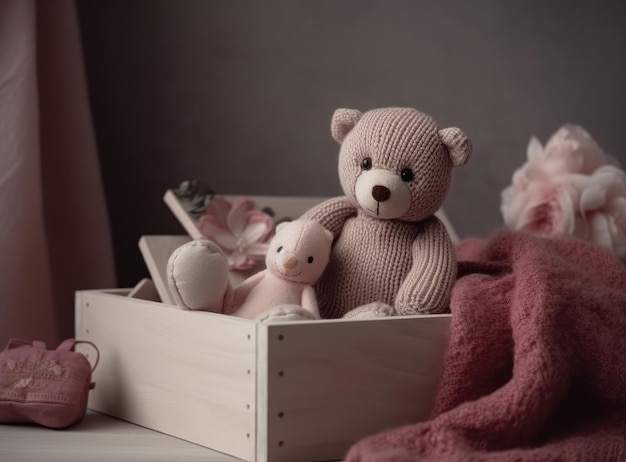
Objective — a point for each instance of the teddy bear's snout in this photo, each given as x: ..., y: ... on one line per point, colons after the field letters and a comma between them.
x: 380, y: 193
x: 290, y: 262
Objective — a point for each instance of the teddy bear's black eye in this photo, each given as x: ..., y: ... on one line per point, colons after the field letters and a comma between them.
x: 310, y: 259
x: 280, y: 249
x: 407, y: 175
x: 366, y: 164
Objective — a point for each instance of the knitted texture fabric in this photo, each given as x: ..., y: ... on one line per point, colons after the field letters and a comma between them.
x: 396, y: 138
x: 535, y: 365
x: 395, y: 170
x: 405, y: 265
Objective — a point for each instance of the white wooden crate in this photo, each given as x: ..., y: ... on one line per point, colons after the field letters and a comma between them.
x: 300, y: 391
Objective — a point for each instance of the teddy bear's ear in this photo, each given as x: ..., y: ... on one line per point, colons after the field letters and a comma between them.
x: 458, y: 144
x: 343, y: 121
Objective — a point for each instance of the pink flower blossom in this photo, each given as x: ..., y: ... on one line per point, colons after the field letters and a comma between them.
x: 569, y: 188
x: 240, y: 229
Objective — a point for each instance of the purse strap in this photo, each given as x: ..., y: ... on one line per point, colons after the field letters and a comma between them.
x: 70, y: 343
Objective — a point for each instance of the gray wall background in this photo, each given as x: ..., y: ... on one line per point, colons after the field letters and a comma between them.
x: 240, y: 93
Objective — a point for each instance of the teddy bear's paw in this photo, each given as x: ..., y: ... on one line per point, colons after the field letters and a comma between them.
x: 422, y: 310
x: 197, y: 276
x: 286, y: 313
x: 371, y: 310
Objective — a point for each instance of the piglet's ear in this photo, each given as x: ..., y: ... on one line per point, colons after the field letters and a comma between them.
x: 343, y: 121
x: 280, y: 226
x: 458, y: 144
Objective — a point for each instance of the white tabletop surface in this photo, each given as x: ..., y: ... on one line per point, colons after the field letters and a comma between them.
x: 98, y: 438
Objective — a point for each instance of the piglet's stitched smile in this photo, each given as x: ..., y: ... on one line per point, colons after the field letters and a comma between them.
x: 286, y: 273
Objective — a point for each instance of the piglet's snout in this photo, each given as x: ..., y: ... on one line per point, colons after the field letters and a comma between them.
x: 290, y: 262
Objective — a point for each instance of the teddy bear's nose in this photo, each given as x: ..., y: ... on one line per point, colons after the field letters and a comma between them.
x: 290, y: 262
x: 380, y: 193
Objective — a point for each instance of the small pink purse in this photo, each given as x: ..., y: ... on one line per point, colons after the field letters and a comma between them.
x: 46, y: 387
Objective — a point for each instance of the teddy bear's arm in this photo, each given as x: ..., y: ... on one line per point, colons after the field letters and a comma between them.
x: 332, y: 214
x: 426, y: 289
x: 309, y: 301
x: 241, y: 292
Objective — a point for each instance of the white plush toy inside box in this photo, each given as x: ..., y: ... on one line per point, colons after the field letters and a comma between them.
x: 301, y: 390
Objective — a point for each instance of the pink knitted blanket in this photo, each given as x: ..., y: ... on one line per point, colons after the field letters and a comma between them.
x: 536, y: 364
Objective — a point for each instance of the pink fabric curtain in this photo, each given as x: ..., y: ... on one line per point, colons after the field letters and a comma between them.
x: 54, y: 231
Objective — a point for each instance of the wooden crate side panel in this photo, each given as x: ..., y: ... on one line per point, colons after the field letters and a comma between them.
x: 145, y: 290
x: 188, y: 374
x: 332, y: 383
x: 262, y: 420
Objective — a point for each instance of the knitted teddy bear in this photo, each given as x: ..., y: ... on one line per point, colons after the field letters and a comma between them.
x: 391, y: 254
x: 197, y: 274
